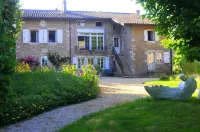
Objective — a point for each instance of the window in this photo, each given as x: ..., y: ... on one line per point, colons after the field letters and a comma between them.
x: 100, y: 43
x: 91, y: 61
x: 44, y: 61
x: 81, y: 23
x: 159, y: 57
x: 116, y: 42
x: 99, y: 24
x: 151, y: 36
x: 116, y: 27
x: 83, y: 42
x: 94, y: 42
x: 81, y: 62
x: 100, y: 62
x: 52, y: 36
x: 34, y: 36
x: 90, y: 41
x: 151, y: 57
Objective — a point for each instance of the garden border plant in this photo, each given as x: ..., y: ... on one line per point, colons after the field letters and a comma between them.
x: 42, y: 90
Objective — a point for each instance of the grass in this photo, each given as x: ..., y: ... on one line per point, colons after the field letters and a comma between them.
x: 171, y: 83
x: 35, y: 92
x: 143, y: 115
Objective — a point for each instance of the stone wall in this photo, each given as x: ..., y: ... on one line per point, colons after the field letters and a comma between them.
x: 37, y: 49
x: 141, y: 47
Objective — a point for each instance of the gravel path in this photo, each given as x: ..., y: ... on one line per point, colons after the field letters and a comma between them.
x: 114, y: 91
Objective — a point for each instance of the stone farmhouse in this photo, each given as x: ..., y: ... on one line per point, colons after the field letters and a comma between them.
x: 120, y: 42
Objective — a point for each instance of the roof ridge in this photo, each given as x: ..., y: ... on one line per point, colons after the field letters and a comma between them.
x: 101, y: 12
x: 40, y: 10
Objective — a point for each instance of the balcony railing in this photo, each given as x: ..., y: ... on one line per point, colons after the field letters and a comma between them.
x: 87, y: 48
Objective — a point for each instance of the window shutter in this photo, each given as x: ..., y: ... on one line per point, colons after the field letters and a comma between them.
x: 166, y: 56
x: 107, y: 63
x: 156, y: 36
x: 45, y: 36
x: 145, y: 35
x: 25, y: 35
x: 75, y: 61
x: 60, y: 36
x: 41, y: 36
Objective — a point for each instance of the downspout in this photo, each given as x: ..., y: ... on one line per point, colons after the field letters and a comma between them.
x: 70, y: 43
x: 171, y: 60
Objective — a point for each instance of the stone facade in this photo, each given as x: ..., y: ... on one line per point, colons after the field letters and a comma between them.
x: 132, y: 44
x: 37, y: 49
x: 141, y: 48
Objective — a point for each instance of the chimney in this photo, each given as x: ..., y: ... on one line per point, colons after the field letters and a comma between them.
x: 65, y: 5
x: 138, y: 12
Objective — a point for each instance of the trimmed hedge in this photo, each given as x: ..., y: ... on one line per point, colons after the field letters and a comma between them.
x: 35, y: 92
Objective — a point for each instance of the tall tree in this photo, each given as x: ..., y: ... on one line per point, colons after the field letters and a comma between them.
x: 10, y: 25
x: 179, y: 21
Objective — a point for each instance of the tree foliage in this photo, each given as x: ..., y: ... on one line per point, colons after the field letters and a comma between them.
x: 178, y: 20
x: 10, y: 25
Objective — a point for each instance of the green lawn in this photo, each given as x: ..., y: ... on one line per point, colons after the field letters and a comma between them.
x: 172, y: 83
x: 143, y: 115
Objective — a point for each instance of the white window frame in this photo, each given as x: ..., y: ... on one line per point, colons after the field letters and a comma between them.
x: 101, y: 61
x: 97, y: 22
x: 37, y: 36
x: 92, y: 59
x: 55, y: 36
x: 154, y: 36
x: 90, y: 35
x: 45, y: 57
x: 146, y: 36
x: 79, y: 66
x: 155, y: 56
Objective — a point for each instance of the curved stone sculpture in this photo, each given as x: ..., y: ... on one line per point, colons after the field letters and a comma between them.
x: 164, y: 92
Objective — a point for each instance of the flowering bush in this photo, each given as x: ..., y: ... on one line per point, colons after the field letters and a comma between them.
x: 90, y: 75
x: 70, y: 69
x: 32, y: 61
x: 22, y: 67
x: 45, y: 69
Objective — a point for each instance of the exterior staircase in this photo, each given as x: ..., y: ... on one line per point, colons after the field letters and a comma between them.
x: 122, y: 65
x: 125, y: 69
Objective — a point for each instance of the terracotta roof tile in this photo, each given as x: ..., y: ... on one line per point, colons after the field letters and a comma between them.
x: 123, y: 18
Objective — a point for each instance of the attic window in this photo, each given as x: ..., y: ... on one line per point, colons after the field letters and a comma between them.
x: 81, y: 23
x: 99, y: 24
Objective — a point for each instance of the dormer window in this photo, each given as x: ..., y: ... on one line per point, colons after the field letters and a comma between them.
x: 99, y: 24
x: 81, y: 23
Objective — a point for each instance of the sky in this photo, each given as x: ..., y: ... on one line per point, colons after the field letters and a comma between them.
x: 124, y: 6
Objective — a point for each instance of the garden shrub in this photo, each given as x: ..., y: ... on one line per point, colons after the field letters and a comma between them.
x: 32, y: 61
x: 90, y: 75
x: 22, y: 67
x: 35, y: 92
x: 164, y: 78
x: 45, y: 69
x: 70, y: 69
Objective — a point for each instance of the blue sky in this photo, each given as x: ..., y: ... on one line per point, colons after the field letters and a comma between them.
x: 126, y: 6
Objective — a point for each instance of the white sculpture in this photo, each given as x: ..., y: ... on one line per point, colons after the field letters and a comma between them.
x: 183, y: 92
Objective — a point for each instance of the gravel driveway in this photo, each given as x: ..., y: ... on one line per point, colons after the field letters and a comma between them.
x: 114, y: 91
